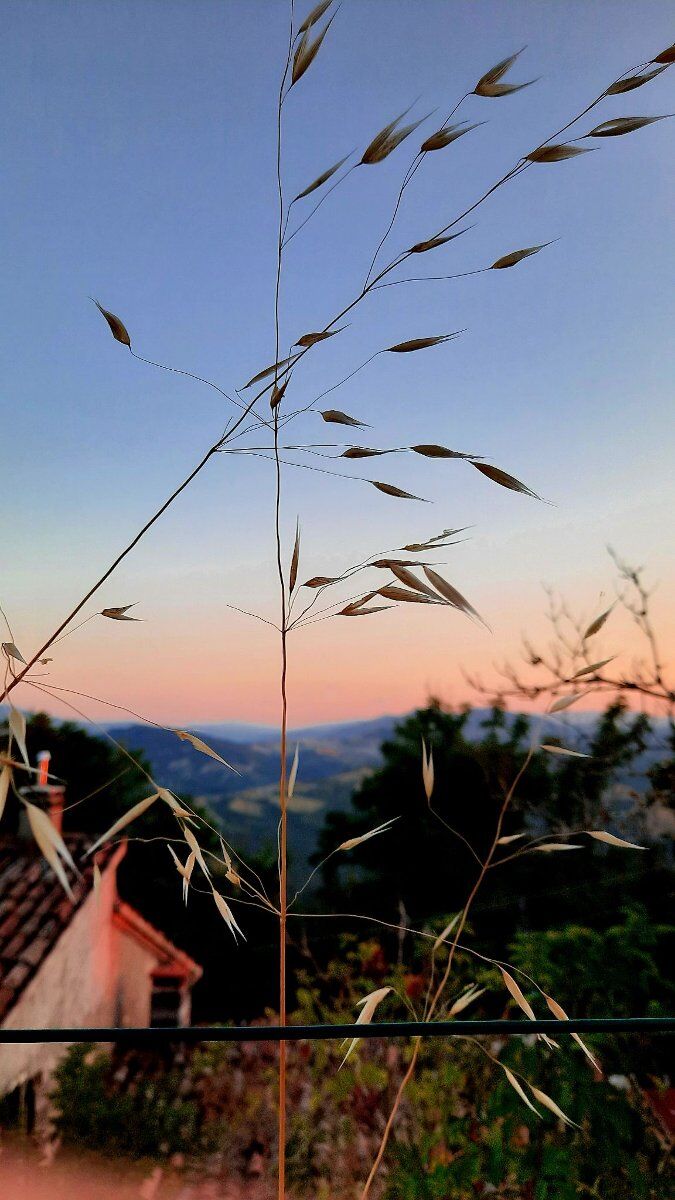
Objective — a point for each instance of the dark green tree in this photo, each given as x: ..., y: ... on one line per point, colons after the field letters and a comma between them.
x: 423, y: 866
x: 616, y: 740
x: 427, y: 861
x: 662, y: 775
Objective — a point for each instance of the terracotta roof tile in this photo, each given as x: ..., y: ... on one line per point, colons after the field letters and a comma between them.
x: 12, y: 950
x: 34, y: 909
x: 34, y: 873
x: 9, y: 924
x: 9, y: 871
x: 7, y: 997
x: 35, y: 951
x: 17, y: 976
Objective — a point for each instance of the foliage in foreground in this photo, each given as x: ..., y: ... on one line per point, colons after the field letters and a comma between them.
x: 107, y: 1106
x: 461, y: 1126
x: 425, y: 867
x: 459, y: 1129
x: 304, y: 44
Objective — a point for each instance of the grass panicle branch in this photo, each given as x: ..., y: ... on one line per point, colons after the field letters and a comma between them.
x: 573, y: 665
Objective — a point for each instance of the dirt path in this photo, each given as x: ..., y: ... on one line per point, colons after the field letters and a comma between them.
x: 24, y: 1175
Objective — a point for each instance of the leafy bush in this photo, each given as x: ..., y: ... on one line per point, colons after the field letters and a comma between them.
x: 467, y: 1134
x: 121, y: 1110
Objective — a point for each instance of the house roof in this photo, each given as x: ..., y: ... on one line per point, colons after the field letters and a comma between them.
x: 171, y: 961
x: 34, y: 911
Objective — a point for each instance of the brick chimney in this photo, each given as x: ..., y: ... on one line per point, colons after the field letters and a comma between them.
x: 46, y: 795
x: 43, y: 760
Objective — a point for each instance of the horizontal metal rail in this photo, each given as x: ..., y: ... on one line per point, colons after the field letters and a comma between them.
x: 321, y: 1033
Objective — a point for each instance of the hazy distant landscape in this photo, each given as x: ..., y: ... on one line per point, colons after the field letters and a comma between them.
x: 333, y: 760
x: 290, y: 901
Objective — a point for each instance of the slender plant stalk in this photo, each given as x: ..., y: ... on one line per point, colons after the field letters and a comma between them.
x: 283, y: 634
x: 18, y: 676
x: 106, y: 574
x: 367, y: 288
x: 235, y: 427
x: 446, y: 975
x: 391, y: 1118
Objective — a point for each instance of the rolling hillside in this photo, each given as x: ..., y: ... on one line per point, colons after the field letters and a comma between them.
x: 333, y: 760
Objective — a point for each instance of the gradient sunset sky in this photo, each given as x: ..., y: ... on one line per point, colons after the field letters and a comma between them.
x: 138, y: 139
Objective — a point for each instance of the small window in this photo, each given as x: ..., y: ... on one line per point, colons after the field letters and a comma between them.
x: 166, y: 1001
x: 17, y: 1108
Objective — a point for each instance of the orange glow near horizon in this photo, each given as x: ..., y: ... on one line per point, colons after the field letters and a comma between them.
x: 226, y: 668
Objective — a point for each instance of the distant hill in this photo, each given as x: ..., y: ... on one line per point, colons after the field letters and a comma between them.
x: 333, y: 761
x: 343, y: 731
x: 334, y: 758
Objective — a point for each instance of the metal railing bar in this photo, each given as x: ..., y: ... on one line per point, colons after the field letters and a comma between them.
x: 297, y: 1033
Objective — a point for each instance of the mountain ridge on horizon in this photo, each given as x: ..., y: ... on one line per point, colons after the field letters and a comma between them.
x: 246, y: 732
x: 334, y: 759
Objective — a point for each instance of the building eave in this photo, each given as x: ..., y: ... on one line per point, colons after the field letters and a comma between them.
x: 170, y: 958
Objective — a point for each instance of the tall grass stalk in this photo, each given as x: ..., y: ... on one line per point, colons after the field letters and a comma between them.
x: 403, y: 582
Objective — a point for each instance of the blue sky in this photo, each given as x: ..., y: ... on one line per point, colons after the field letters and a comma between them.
x: 140, y: 144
